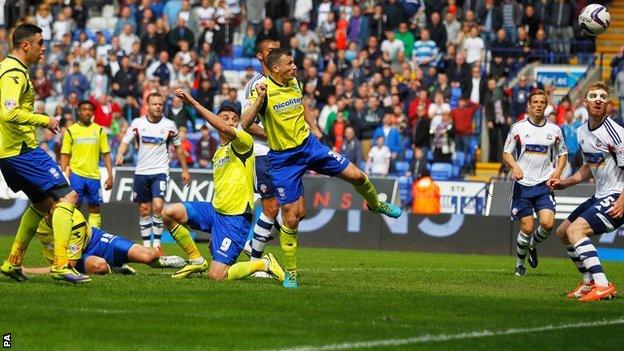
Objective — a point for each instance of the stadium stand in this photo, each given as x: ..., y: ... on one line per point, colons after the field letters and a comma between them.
x: 365, y: 59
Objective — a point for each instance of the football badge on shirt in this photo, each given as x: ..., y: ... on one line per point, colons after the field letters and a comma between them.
x: 10, y: 104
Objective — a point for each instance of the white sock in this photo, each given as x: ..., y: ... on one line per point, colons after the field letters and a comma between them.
x: 522, y: 245
x: 145, y: 225
x: 157, y: 229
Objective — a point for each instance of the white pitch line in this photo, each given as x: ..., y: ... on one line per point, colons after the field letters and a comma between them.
x: 448, y: 337
x: 403, y: 269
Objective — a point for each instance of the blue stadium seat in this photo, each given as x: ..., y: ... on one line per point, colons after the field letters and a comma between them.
x: 241, y: 63
x: 256, y: 65
x: 237, y: 51
x: 459, y: 159
x: 429, y: 155
x: 362, y: 165
x: 226, y: 62
x: 409, y: 154
x: 441, y: 171
x: 405, y: 190
x: 401, y: 167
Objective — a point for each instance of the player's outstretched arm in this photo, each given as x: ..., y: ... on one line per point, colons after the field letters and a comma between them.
x: 214, y: 120
x: 256, y: 100
x: 583, y: 174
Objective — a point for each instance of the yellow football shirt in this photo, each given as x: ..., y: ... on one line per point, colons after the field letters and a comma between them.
x: 85, y: 144
x: 234, y: 165
x: 282, y: 114
x: 17, y: 120
x: 78, y: 241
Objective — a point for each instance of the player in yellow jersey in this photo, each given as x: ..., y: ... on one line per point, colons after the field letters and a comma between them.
x: 94, y: 251
x: 293, y: 151
x: 25, y: 166
x: 83, y: 143
x: 228, y: 217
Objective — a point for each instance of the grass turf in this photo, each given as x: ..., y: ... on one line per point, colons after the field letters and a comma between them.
x: 344, y: 297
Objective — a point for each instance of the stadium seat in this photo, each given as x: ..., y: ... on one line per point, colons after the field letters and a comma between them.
x: 409, y: 154
x: 429, y: 155
x: 97, y: 23
x: 226, y: 62
x: 232, y: 77
x: 256, y: 65
x: 362, y: 165
x: 441, y: 171
x: 108, y: 11
x: 241, y: 63
x: 459, y: 159
x: 237, y: 51
x: 401, y: 167
x: 405, y: 190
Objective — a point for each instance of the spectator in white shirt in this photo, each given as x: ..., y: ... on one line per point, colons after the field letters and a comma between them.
x: 392, y: 45
x: 474, y: 46
x: 436, y: 109
x: 378, y: 162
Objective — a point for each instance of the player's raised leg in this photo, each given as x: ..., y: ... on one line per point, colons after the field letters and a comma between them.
x: 175, y: 218
x: 268, y: 263
x: 362, y: 184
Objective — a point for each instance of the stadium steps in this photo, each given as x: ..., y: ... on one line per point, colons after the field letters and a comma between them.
x: 484, y: 171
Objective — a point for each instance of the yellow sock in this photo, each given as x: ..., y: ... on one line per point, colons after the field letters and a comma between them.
x: 95, y: 220
x: 288, y: 241
x: 243, y: 269
x: 61, y: 226
x: 368, y: 192
x: 26, y: 230
x: 182, y: 236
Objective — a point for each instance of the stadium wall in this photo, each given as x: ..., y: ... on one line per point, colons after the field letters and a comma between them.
x: 337, y: 218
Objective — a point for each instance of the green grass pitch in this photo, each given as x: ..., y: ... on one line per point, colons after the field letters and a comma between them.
x: 347, y: 300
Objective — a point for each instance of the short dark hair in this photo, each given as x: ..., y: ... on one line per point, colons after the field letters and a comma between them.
x: 24, y: 31
x: 262, y: 42
x: 154, y: 94
x: 86, y: 102
x: 227, y: 108
x: 275, y: 55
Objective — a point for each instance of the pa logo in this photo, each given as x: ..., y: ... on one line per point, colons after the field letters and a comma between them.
x: 6, y: 341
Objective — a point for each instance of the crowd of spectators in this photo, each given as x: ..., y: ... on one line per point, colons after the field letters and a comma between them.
x: 391, y: 82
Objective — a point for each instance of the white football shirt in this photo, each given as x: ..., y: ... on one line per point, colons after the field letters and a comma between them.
x: 261, y: 147
x: 154, y: 140
x: 603, y: 152
x: 536, y: 149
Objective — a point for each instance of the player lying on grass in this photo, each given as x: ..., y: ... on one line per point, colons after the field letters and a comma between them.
x: 602, y: 146
x: 94, y: 251
x: 229, y: 216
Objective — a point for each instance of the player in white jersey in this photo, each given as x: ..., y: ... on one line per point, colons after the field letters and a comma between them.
x: 602, y: 146
x: 540, y: 155
x: 154, y: 134
x: 263, y: 181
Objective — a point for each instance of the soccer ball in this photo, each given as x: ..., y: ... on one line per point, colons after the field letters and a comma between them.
x: 594, y: 20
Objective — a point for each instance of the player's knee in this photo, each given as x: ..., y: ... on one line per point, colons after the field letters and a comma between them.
x: 291, y: 220
x: 72, y: 197
x: 214, y: 275
x: 100, y: 267
x: 561, y: 232
x: 144, y: 210
x: 94, y: 208
x: 270, y: 209
x: 158, y: 209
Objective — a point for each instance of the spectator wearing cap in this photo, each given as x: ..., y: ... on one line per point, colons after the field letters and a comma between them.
x: 124, y: 82
x: 76, y: 83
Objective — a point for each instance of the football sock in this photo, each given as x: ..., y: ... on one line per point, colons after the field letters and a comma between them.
x: 288, y: 241
x: 242, y: 269
x: 145, y: 223
x: 522, y: 245
x: 157, y: 228
x: 368, y: 192
x: 539, y: 235
x: 589, y: 257
x: 261, y: 235
x: 95, y: 220
x: 182, y: 236
x: 61, y: 227
x: 579, y: 265
x: 25, y: 232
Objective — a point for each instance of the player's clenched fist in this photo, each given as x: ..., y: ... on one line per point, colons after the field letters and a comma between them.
x: 261, y: 89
